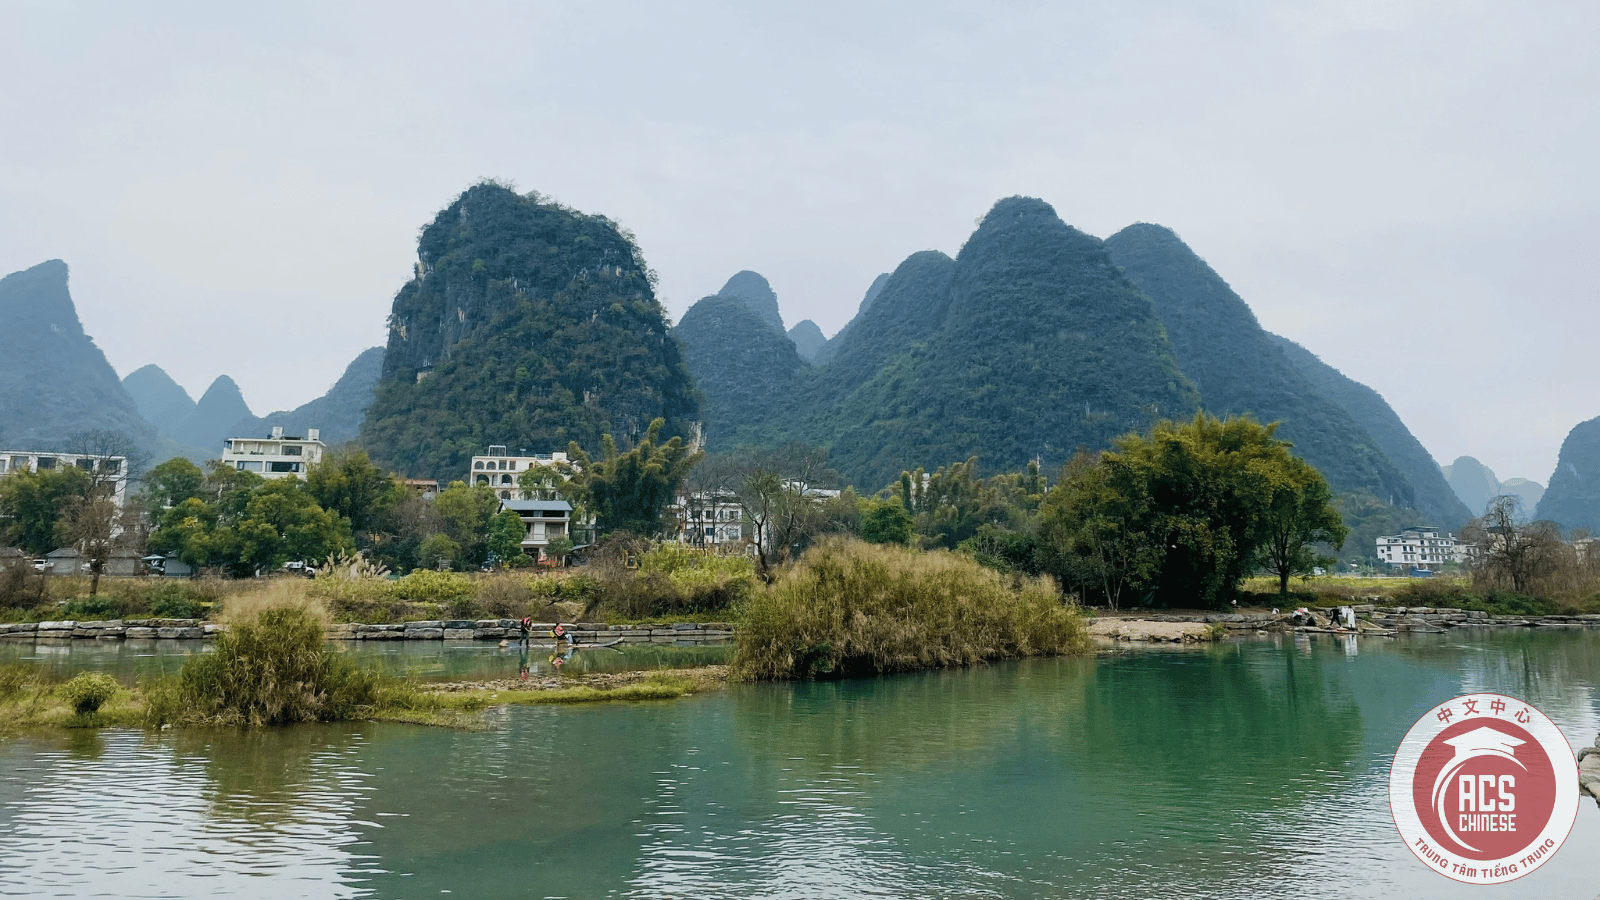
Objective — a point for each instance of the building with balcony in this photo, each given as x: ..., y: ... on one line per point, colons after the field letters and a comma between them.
x: 1421, y: 547
x: 111, y: 471
x: 707, y: 518
x: 277, y: 456
x: 500, y: 470
x: 543, y: 521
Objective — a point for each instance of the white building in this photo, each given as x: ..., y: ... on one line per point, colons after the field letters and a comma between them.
x: 500, y: 470
x: 109, y: 470
x: 543, y: 521
x: 1421, y: 547
x: 278, y: 456
x: 707, y: 518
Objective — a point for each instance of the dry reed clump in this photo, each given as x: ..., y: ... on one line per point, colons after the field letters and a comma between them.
x: 272, y: 668
x: 290, y: 592
x: 849, y: 608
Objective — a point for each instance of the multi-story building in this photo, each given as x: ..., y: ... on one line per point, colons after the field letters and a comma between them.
x: 1421, y: 547
x: 543, y: 520
x: 500, y: 470
x: 111, y: 471
x: 707, y: 518
x: 278, y: 456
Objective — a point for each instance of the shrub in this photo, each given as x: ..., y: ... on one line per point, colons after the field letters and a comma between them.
x: 99, y: 607
x: 462, y: 608
x: 505, y: 596
x: 273, y: 669
x: 439, y: 587
x: 849, y: 608
x: 88, y: 691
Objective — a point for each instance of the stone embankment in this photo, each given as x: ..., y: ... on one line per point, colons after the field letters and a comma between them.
x: 506, y: 629
x: 112, y: 630
x: 681, y: 633
x: 1370, y: 617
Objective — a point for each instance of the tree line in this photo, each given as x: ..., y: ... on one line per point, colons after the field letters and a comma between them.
x: 1178, y: 516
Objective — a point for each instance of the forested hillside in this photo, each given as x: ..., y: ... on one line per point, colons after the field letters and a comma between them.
x: 1435, y: 501
x: 826, y: 352
x: 1029, y: 345
x: 1573, y: 497
x: 527, y: 324
x: 1240, y: 371
x: 742, y: 366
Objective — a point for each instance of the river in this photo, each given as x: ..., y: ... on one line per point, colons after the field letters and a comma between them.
x: 1251, y: 768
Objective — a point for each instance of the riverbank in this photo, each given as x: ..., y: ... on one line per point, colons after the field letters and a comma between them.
x: 1194, y: 625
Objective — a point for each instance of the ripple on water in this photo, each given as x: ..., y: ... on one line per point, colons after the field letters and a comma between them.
x: 121, y: 815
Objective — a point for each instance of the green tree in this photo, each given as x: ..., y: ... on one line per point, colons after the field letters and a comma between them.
x: 464, y: 513
x: 1180, y: 515
x: 628, y: 491
x: 886, y: 522
x: 33, y: 503
x: 506, y: 532
x: 169, y: 484
x: 244, y: 524
x: 1299, y: 516
x: 1094, y: 536
x: 350, y: 485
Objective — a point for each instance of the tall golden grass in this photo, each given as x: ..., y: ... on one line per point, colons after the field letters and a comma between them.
x: 848, y: 608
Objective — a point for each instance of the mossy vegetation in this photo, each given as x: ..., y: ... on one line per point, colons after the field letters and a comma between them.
x: 849, y: 608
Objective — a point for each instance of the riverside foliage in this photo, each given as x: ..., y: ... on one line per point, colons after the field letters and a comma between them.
x: 849, y: 608
x: 275, y: 669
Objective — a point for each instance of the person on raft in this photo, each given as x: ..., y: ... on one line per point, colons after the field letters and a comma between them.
x: 526, y: 627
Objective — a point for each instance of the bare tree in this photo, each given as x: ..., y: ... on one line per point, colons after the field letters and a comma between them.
x: 1510, y: 553
x: 94, y: 522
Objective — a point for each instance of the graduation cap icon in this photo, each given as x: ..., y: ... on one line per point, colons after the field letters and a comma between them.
x: 1474, y: 744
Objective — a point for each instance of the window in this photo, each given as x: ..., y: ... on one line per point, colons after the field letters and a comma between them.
x: 291, y: 450
x: 47, y: 462
x: 111, y: 466
x: 284, y: 466
x: 505, y: 479
x: 478, y: 464
x: 483, y: 479
x: 252, y: 465
x: 86, y: 463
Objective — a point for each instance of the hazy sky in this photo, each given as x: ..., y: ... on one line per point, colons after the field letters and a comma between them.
x: 1402, y: 187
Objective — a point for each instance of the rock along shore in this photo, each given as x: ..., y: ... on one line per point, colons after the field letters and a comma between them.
x: 1416, y: 619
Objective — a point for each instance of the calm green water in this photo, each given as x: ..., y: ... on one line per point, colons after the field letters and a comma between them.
x: 1253, y: 769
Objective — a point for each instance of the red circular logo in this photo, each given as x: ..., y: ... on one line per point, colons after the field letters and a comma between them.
x: 1484, y: 788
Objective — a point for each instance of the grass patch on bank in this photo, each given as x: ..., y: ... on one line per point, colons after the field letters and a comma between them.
x: 849, y: 609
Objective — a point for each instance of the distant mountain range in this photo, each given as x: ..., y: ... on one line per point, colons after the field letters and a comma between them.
x: 54, y: 382
x: 531, y: 324
x: 1035, y: 340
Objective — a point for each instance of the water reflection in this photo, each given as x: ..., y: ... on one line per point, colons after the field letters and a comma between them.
x: 1250, y: 768
x: 147, y: 818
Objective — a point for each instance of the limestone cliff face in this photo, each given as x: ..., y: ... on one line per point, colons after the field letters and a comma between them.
x: 54, y: 381
x: 527, y: 324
